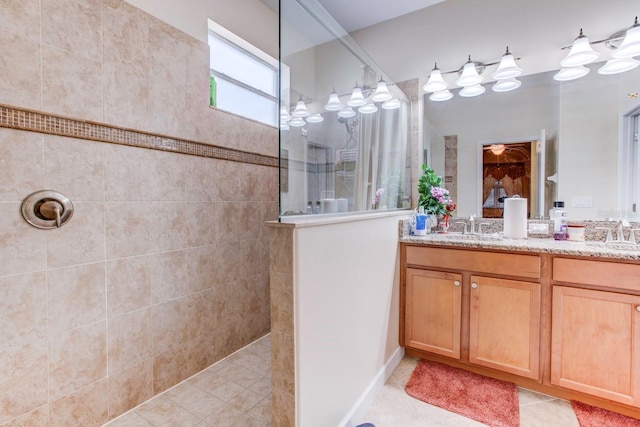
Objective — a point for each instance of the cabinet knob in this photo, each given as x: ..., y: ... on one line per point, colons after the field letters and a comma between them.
x: 457, y: 283
x: 474, y: 285
x: 637, y: 307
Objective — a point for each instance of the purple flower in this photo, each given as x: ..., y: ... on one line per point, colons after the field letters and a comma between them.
x: 379, y: 193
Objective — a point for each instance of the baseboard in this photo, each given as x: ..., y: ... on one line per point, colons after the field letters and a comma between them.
x: 366, y: 399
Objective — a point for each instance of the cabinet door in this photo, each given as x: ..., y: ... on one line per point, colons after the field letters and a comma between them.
x: 432, y: 314
x: 595, y: 343
x: 504, y: 325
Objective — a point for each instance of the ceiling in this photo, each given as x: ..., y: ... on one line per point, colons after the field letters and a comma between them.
x: 364, y: 13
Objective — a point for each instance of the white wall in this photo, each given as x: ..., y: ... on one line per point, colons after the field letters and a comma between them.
x: 346, y: 314
x: 250, y: 19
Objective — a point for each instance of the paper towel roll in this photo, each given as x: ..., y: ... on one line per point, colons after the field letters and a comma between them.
x: 329, y: 206
x: 515, y: 218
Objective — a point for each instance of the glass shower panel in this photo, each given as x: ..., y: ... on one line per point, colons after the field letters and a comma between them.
x: 341, y: 159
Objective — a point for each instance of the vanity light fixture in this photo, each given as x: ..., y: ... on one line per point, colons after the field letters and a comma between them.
x: 315, y: 118
x: 469, y: 76
x: 497, y: 149
x: 435, y: 83
x: 471, y: 91
x: 284, y: 126
x: 441, y: 95
x: 618, y: 65
x: 334, y: 103
x: 507, y: 68
x: 284, y: 114
x: 368, y: 109
x: 301, y: 109
x: 571, y: 73
x: 506, y: 85
x: 630, y: 45
x: 346, y: 113
x: 297, y: 122
x: 391, y: 104
x: 581, y: 52
x: 382, y: 92
x: 357, y: 99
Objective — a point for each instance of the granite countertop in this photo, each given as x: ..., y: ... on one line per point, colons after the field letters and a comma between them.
x: 594, y: 249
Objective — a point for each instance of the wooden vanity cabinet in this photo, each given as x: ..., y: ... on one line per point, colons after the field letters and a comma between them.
x: 595, y: 346
x: 502, y: 316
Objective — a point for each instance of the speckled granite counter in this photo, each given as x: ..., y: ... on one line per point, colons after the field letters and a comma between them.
x: 586, y: 249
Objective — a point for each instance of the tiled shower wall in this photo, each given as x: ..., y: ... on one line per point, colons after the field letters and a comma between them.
x: 164, y: 266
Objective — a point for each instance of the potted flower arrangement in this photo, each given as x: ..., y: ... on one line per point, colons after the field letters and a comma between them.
x: 435, y: 199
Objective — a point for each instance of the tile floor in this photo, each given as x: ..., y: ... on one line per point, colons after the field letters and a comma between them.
x: 237, y: 392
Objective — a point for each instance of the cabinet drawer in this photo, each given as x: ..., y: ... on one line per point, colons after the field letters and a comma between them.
x: 597, y: 273
x: 480, y: 262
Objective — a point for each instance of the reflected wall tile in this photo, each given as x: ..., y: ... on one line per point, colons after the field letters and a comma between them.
x: 130, y: 340
x: 128, y: 285
x: 20, y: 163
x: 77, y: 358
x: 127, y: 229
x: 23, y: 376
x: 72, y: 85
x: 74, y: 25
x: 125, y: 95
x: 169, y: 368
x: 21, y: 17
x: 169, y: 279
x: 23, y: 308
x: 76, y: 297
x: 37, y: 418
x: 168, y: 222
x: 22, y: 247
x: 87, y: 406
x: 20, y: 68
x: 75, y: 168
x: 130, y: 388
x: 125, y: 36
x: 81, y: 240
x: 170, y: 325
x: 126, y: 173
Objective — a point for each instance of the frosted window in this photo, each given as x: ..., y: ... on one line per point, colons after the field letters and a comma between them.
x: 238, y: 100
x: 235, y: 62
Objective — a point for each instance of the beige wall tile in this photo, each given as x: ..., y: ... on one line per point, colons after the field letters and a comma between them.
x: 23, y: 371
x: 126, y: 173
x: 130, y: 388
x: 170, y: 326
x: 169, y: 368
x: 205, y: 181
x: 125, y: 95
x: 284, y: 409
x: 126, y: 36
x: 203, y: 267
x: 282, y: 302
x: 85, y: 407
x: 233, y: 181
x: 37, y: 418
x: 128, y: 285
x: 168, y: 226
x: 282, y: 362
x: 20, y: 67
x: 204, y: 223
x: 74, y: 25
x: 75, y: 168
x: 20, y: 164
x: 281, y: 249
x: 72, y: 85
x: 21, y: 17
x: 79, y: 241
x: 77, y: 358
x: 130, y: 340
x: 22, y: 247
x: 127, y: 229
x: 169, y: 279
x: 76, y: 297
x: 168, y: 176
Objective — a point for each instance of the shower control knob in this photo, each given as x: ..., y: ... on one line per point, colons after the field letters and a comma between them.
x: 47, y: 209
x: 52, y: 210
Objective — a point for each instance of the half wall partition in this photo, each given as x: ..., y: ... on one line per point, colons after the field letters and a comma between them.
x: 339, y: 151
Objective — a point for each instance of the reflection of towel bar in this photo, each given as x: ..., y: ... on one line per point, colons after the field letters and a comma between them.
x: 348, y: 155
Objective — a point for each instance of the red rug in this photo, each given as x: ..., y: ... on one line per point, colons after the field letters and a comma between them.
x: 590, y: 416
x: 487, y: 400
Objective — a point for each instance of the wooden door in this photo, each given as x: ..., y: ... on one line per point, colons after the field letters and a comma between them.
x: 595, y: 343
x: 504, y: 325
x: 432, y: 314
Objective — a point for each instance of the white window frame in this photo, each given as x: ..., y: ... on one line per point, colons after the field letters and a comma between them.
x: 221, y: 33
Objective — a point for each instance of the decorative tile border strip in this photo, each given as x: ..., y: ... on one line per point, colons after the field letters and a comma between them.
x: 34, y: 121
